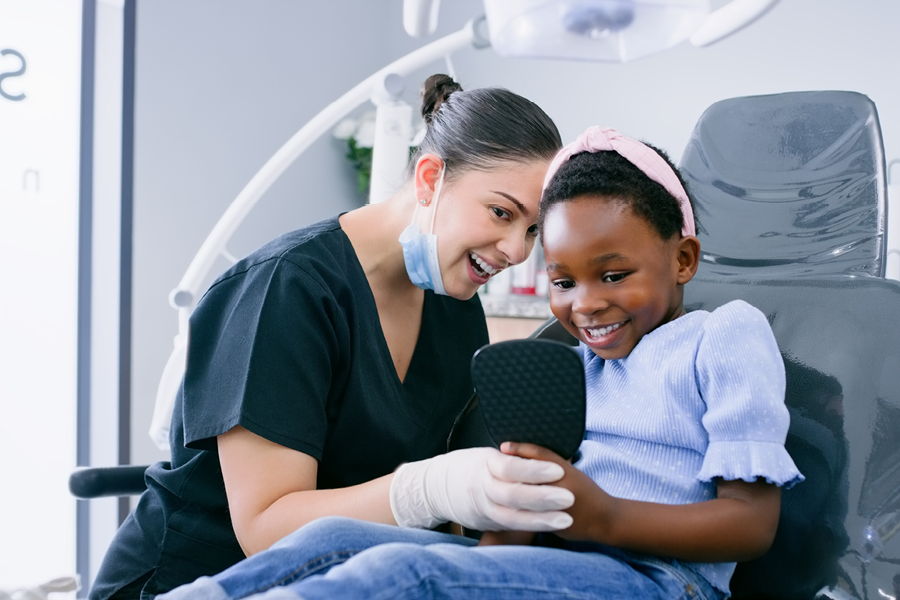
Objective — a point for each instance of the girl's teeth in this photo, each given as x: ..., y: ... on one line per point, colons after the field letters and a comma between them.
x: 601, y: 331
x: 486, y: 268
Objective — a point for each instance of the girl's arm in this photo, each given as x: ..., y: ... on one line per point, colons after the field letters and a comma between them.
x: 272, y: 491
x: 738, y: 525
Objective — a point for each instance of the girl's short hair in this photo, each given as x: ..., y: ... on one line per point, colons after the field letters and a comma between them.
x: 479, y: 128
x: 609, y: 175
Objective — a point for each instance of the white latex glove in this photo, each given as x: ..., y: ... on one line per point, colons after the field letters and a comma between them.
x: 483, y: 489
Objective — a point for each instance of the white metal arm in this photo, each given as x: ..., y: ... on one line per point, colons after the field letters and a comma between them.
x: 729, y: 19
x: 185, y: 296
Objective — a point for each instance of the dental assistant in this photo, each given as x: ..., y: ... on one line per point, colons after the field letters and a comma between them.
x: 332, y: 355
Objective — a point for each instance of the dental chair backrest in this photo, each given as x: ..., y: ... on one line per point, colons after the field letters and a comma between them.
x: 789, y: 185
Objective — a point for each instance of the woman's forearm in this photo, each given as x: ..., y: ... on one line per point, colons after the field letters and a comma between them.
x: 368, y: 501
x: 272, y: 491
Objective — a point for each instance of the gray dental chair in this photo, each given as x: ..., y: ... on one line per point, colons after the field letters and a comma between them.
x: 791, y: 200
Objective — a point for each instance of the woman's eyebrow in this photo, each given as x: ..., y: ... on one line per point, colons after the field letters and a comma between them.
x: 512, y: 199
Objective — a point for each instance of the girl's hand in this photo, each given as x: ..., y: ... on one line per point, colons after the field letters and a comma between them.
x: 593, y: 510
x: 739, y: 524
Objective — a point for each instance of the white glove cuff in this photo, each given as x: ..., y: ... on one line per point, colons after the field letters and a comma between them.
x: 409, y: 502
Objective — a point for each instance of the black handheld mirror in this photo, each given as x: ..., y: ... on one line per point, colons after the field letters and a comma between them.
x: 532, y: 391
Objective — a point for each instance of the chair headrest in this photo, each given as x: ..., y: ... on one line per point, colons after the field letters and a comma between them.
x: 789, y: 184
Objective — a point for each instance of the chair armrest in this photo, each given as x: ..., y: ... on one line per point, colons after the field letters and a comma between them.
x: 100, y: 482
x: 552, y: 329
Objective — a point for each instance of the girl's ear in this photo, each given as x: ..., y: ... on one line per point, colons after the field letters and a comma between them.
x: 688, y: 256
x: 428, y: 172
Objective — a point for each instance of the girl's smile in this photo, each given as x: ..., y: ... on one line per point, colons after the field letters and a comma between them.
x: 602, y: 335
x: 613, y: 279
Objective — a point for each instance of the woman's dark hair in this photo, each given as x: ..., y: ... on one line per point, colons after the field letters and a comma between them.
x: 478, y: 128
x: 613, y: 178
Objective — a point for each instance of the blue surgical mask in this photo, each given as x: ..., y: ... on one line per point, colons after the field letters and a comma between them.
x: 420, y: 250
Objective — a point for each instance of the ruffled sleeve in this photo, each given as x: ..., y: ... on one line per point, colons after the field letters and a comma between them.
x: 741, y: 378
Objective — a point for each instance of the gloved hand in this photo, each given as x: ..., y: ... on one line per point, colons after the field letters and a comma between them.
x: 483, y: 489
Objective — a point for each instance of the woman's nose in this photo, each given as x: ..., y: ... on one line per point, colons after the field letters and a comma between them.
x: 516, y: 248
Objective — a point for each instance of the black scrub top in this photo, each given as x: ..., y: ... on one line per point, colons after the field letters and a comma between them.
x: 287, y: 343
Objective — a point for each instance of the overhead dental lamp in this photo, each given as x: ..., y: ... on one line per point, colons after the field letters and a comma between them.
x: 599, y: 30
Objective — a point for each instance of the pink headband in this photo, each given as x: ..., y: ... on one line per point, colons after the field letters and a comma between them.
x: 596, y: 139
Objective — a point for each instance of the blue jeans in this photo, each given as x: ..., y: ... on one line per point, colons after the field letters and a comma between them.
x: 337, y: 558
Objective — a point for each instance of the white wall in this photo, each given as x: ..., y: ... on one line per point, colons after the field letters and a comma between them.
x: 222, y: 84
x: 39, y: 217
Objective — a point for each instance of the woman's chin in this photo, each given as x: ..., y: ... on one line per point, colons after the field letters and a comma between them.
x: 461, y: 289
x: 462, y: 294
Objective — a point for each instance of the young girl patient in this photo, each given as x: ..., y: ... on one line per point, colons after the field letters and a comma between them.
x: 683, y: 455
x: 683, y: 461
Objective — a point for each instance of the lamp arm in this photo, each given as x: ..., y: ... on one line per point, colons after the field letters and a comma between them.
x: 184, y: 297
x: 186, y: 293
x: 729, y: 19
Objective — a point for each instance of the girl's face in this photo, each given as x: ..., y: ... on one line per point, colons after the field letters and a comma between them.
x: 613, y: 279
x: 485, y: 222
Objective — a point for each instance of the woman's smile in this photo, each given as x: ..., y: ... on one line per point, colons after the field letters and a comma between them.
x: 482, y: 267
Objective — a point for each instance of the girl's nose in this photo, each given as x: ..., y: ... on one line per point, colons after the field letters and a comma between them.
x: 587, y: 301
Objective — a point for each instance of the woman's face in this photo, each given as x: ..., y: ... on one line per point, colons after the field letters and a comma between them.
x: 486, y: 221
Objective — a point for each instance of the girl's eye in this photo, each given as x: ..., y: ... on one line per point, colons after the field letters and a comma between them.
x: 614, y: 277
x: 533, y: 230
x: 564, y: 284
x: 500, y: 213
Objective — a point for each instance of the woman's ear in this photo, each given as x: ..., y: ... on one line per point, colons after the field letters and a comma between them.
x: 428, y: 172
x: 688, y: 256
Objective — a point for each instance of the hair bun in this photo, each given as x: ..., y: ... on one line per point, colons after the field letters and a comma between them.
x: 435, y: 92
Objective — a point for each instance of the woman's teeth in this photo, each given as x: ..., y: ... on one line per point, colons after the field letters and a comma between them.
x: 482, y: 268
x: 601, y: 331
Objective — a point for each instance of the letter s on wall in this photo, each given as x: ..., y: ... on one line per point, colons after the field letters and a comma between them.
x: 7, y: 74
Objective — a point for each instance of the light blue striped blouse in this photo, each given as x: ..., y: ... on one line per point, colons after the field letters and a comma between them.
x: 699, y: 397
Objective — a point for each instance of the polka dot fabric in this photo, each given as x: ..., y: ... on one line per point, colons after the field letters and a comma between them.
x: 698, y: 398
